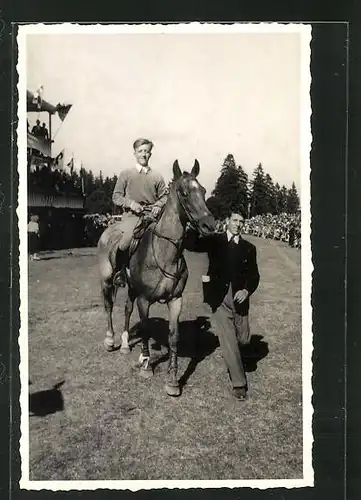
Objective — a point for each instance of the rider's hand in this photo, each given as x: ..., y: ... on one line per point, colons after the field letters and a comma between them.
x: 240, y: 296
x: 155, y: 211
x: 136, y: 207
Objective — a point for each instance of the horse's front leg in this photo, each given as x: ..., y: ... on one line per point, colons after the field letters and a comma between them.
x: 125, y: 349
x: 146, y: 370
x: 172, y: 385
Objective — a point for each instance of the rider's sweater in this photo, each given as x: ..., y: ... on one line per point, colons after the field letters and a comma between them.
x: 143, y: 186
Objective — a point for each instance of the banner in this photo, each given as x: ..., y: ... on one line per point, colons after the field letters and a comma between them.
x: 39, y: 144
x: 54, y: 201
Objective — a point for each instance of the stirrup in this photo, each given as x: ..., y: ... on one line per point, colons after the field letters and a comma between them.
x: 120, y: 278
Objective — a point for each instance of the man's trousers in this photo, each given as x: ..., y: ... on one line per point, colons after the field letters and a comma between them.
x: 233, y: 331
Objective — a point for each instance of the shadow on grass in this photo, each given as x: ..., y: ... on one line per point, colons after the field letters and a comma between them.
x: 254, y: 352
x: 196, y: 341
x: 51, y: 257
x: 64, y: 256
x: 44, y: 403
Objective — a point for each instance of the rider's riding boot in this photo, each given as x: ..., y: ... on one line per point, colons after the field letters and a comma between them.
x: 120, y: 277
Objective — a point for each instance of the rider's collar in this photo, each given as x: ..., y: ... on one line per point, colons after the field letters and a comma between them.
x: 140, y: 168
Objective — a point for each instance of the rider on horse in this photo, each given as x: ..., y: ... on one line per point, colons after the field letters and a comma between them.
x: 137, y: 188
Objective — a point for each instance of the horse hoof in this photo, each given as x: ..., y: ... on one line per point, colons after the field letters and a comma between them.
x: 109, y: 347
x: 172, y: 390
x: 148, y: 373
x: 125, y: 350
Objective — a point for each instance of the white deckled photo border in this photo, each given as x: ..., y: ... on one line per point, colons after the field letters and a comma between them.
x: 304, y: 30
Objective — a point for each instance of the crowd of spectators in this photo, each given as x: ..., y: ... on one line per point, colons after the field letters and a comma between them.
x: 95, y: 224
x: 284, y: 227
x: 47, y: 179
x: 77, y: 230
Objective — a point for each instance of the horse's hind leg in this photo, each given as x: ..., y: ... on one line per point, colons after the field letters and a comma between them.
x: 144, y: 358
x: 125, y: 349
x: 172, y: 385
x: 108, y: 292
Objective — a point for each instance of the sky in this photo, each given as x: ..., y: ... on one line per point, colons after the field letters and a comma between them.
x: 194, y: 95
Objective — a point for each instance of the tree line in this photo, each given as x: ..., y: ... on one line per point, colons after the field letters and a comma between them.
x: 233, y: 190
x: 98, y: 191
x: 255, y: 196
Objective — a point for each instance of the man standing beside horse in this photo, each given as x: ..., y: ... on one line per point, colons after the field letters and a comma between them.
x: 232, y: 278
x: 137, y: 187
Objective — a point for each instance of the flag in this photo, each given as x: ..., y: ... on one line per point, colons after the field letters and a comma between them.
x: 77, y: 164
x: 71, y: 163
x: 63, y: 110
x: 38, y: 96
x: 59, y: 160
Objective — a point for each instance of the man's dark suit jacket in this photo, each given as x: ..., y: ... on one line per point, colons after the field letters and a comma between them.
x: 241, y: 270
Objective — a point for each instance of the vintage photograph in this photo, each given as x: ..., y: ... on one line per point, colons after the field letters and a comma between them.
x: 165, y: 256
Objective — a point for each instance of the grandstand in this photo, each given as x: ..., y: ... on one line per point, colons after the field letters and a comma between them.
x: 51, y: 193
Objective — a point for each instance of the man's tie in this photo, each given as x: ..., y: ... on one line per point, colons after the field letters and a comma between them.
x: 232, y: 250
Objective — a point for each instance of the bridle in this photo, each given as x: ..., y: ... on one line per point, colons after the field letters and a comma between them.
x: 176, y: 242
x: 189, y: 216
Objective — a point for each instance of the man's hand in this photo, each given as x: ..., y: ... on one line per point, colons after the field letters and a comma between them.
x: 136, y: 207
x: 155, y: 211
x: 240, y: 296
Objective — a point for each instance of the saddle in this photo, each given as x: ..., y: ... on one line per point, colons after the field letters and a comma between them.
x: 144, y: 222
x: 122, y: 260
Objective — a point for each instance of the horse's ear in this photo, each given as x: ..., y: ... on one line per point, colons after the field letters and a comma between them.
x: 195, y: 169
x: 176, y: 170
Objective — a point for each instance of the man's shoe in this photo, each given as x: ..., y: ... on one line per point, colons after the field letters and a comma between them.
x: 240, y: 393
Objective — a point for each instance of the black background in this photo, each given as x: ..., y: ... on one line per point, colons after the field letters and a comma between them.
x: 333, y: 214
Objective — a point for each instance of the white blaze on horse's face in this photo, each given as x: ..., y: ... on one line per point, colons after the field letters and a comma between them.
x: 192, y: 199
x: 196, y: 208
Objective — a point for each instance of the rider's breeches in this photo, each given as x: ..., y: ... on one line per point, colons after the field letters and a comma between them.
x: 127, y: 226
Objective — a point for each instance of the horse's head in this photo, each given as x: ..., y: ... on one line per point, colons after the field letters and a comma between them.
x: 191, y: 198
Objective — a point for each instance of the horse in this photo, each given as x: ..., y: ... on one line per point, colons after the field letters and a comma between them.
x: 157, y: 270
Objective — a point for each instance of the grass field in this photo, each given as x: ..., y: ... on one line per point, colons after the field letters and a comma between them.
x: 106, y: 422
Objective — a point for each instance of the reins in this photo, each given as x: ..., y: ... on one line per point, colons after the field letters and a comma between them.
x: 174, y: 241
